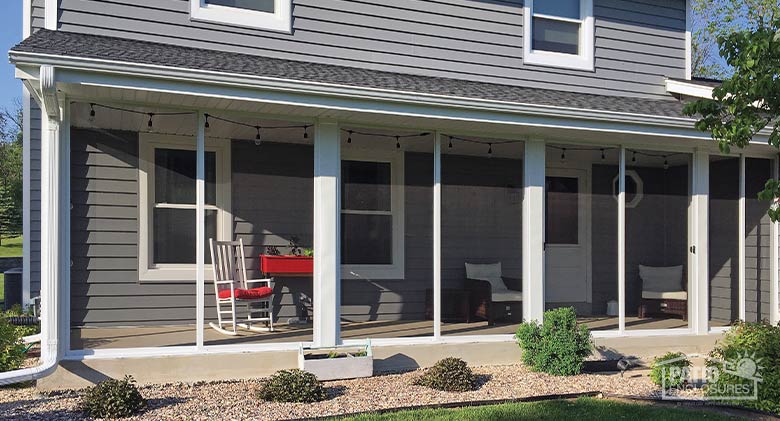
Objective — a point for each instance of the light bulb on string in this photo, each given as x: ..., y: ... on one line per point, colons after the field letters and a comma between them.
x: 563, y: 155
x: 150, y: 124
x: 91, y: 113
x: 349, y: 138
x: 490, y: 150
x: 603, y: 155
x: 305, y: 132
x: 666, y: 163
x: 450, y: 144
x: 633, y: 157
x: 398, y: 142
x: 258, y: 139
x: 206, y: 125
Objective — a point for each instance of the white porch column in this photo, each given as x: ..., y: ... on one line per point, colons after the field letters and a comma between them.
x: 774, y: 277
x: 699, y: 249
x: 533, y: 230
x: 437, y: 236
x: 741, y: 276
x: 621, y: 251
x: 51, y: 264
x: 327, y: 234
x: 200, y: 226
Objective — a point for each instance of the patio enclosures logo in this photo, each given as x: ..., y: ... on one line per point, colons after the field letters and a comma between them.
x: 735, y: 379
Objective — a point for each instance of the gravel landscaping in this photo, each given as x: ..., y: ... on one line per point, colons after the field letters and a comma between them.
x: 236, y: 400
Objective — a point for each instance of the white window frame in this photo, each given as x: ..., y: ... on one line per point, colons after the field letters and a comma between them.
x: 582, y: 61
x: 280, y: 20
x: 147, y: 270
x: 396, y: 270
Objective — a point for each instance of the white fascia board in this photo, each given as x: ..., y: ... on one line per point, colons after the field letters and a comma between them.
x: 688, y: 89
x: 164, y: 79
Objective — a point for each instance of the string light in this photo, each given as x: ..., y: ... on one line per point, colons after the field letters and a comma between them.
x: 91, y: 112
x: 258, y: 140
x: 666, y: 164
x: 149, y: 125
x: 563, y: 155
x: 603, y: 154
x: 349, y: 139
x: 305, y: 132
x: 206, y: 125
x: 633, y: 157
x: 490, y: 149
x: 398, y: 142
x: 450, y: 145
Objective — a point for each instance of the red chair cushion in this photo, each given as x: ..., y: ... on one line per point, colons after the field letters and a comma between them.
x: 247, y: 294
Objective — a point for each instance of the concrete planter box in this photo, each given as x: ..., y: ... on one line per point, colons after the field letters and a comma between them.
x: 337, y: 363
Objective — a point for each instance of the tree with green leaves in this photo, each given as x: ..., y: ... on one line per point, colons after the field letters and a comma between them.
x: 748, y: 102
x: 716, y: 18
x: 11, y: 182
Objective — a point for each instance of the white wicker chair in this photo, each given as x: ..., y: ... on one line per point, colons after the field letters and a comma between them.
x: 231, y: 287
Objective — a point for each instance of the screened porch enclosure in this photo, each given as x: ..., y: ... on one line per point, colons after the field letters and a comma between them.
x: 434, y: 232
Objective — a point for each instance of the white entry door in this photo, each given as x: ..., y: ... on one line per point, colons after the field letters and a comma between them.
x: 566, y: 236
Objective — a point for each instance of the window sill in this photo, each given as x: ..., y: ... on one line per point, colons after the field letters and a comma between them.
x: 565, y: 61
x: 172, y: 275
x: 278, y: 22
x: 370, y: 272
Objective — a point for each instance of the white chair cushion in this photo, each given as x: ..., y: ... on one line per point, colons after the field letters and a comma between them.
x: 661, y: 279
x: 669, y: 295
x: 509, y: 295
x: 490, y: 272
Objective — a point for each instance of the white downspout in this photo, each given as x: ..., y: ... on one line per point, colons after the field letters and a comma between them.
x: 51, y: 208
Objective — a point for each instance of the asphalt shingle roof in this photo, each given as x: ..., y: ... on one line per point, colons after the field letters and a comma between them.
x: 133, y: 51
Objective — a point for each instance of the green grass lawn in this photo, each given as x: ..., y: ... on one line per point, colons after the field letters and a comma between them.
x: 11, y: 247
x: 581, y: 409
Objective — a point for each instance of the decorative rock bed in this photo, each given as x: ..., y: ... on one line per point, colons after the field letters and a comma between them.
x: 236, y: 400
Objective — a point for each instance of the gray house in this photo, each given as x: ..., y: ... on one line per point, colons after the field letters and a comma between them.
x: 425, y: 174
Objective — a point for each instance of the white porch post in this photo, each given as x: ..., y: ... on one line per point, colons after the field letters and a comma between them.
x: 533, y: 230
x: 699, y: 294
x: 774, y: 277
x: 327, y: 234
x: 741, y: 241
x: 200, y: 222
x: 51, y: 206
x: 64, y: 218
x: 621, y: 251
x: 437, y: 236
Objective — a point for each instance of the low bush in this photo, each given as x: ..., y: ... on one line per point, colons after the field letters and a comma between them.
x: 748, y: 350
x: 11, y: 346
x: 558, y: 346
x: 450, y: 375
x: 670, y: 370
x: 113, y: 399
x: 292, y: 386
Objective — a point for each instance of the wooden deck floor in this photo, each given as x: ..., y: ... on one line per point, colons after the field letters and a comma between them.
x: 184, y: 335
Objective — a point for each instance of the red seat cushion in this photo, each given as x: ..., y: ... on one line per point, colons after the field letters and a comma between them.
x: 247, y: 294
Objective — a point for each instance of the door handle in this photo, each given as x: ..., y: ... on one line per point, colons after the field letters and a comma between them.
x: 693, y: 249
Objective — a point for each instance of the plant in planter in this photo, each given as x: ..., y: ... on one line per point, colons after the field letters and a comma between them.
x: 335, y: 364
x: 450, y: 375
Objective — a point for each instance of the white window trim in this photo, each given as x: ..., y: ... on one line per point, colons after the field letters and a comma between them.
x: 397, y: 269
x: 280, y: 20
x: 582, y: 61
x: 147, y: 271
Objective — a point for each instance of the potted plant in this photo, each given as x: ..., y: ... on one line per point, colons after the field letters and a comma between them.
x: 346, y: 362
x: 299, y: 261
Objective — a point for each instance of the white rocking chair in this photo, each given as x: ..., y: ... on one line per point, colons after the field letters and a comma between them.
x: 231, y: 286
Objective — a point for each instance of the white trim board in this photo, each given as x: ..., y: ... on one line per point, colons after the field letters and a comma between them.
x: 280, y: 20
x: 691, y: 89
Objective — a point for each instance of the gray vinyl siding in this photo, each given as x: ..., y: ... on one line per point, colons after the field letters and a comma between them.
x: 638, y: 44
x: 723, y: 240
x: 37, y: 22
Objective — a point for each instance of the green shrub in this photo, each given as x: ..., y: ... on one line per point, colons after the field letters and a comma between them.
x: 11, y: 346
x: 558, y: 346
x: 113, y: 399
x: 759, y: 342
x: 450, y: 375
x: 670, y: 370
x: 292, y: 386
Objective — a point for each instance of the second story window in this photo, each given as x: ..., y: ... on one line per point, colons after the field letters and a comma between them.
x: 275, y: 15
x: 559, y: 33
